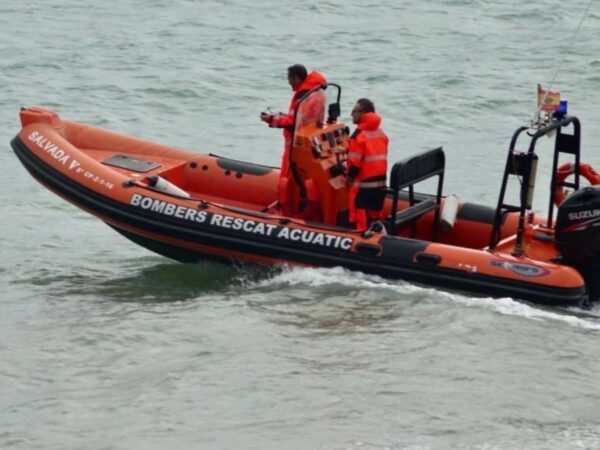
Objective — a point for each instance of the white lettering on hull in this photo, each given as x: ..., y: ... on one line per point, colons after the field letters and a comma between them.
x: 246, y: 226
x: 63, y: 158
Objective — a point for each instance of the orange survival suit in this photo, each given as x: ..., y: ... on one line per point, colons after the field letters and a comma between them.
x: 286, y: 121
x: 367, y: 170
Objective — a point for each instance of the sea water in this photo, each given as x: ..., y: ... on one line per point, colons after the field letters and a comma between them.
x: 104, y: 345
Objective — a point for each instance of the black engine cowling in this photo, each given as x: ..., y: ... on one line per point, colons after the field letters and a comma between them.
x: 577, y: 235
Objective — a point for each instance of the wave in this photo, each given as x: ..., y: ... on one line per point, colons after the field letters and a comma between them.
x: 321, y: 277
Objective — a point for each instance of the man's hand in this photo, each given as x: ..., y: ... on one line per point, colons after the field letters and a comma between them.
x: 266, y: 117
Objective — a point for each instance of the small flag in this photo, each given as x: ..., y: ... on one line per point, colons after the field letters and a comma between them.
x: 548, y: 100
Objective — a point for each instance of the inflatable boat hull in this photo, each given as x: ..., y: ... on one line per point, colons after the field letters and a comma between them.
x: 70, y: 159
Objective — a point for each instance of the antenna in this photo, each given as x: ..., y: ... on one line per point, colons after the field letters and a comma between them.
x: 564, y: 57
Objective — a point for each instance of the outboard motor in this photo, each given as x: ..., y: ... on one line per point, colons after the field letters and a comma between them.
x: 577, y: 235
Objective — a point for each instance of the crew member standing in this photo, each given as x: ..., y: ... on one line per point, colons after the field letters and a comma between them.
x: 366, y: 165
x: 301, y: 82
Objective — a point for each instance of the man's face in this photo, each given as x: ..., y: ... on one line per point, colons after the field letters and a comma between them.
x: 294, y: 81
x: 356, y: 114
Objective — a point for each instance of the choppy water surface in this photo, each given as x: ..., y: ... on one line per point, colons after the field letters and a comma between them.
x: 104, y: 345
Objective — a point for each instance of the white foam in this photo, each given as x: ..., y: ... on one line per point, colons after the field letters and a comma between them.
x: 321, y: 277
x: 316, y: 277
x: 511, y: 307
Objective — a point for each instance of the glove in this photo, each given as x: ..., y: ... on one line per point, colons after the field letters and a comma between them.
x: 353, y: 172
x: 336, y: 170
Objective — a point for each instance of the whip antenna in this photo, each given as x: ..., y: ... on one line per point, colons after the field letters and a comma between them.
x: 564, y: 57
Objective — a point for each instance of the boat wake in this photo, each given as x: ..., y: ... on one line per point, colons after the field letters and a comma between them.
x: 322, y: 277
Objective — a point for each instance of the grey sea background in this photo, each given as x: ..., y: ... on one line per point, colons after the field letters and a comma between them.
x: 104, y: 345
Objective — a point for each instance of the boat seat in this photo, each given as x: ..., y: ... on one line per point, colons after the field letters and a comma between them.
x: 407, y: 173
x: 414, y: 212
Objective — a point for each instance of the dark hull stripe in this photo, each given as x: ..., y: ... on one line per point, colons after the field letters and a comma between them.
x: 396, y: 263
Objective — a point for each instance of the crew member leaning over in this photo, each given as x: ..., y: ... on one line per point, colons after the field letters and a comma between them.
x: 366, y: 165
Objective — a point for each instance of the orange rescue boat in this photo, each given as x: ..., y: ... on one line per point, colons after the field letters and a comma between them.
x: 190, y: 206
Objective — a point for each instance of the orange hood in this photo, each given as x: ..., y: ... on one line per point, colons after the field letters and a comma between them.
x: 369, y: 121
x: 312, y: 79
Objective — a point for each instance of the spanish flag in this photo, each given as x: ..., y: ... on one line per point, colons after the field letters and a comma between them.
x: 548, y: 100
